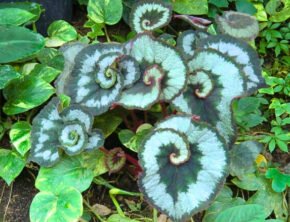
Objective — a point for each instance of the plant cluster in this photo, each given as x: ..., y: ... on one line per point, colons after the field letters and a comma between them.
x: 171, y: 99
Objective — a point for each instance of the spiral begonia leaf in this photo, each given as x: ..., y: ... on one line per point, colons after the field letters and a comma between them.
x: 187, y: 42
x: 70, y: 131
x: 238, y: 25
x: 163, y: 73
x: 242, y: 54
x: 95, y: 81
x: 184, y: 166
x: 213, y: 83
x: 150, y: 15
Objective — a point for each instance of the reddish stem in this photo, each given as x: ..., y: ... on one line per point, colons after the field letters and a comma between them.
x: 134, y: 162
x: 163, y: 109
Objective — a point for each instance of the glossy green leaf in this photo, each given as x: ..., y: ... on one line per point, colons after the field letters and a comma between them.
x: 119, y: 218
x: 193, y: 7
x: 18, y: 43
x: 278, y: 14
x: 245, y: 6
x: 19, y: 13
x: 20, y: 136
x: 26, y: 93
x: 95, y: 161
x: 105, y: 11
x: 242, y: 213
x: 243, y: 158
x: 7, y: 74
x: 108, y: 122
x: 60, y: 32
x: 222, y: 202
x: 52, y: 58
x: 70, y: 172
x: 44, y: 72
x: 280, y: 181
x: 11, y: 165
x: 65, y: 206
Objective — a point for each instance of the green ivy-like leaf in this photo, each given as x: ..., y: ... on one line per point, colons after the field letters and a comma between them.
x: 65, y: 206
x: 190, y: 7
x: 11, y: 165
x: 280, y: 181
x: 105, y: 11
x: 18, y: 43
x: 20, y: 136
x: 26, y: 93
x: 70, y: 172
x: 60, y: 32
x: 238, y: 25
x: 276, y: 13
x: 191, y: 154
x: 7, y: 74
x: 18, y: 13
x: 44, y: 72
x: 149, y: 15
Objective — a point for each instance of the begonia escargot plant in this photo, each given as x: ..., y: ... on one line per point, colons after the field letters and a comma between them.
x: 184, y: 160
x: 69, y: 131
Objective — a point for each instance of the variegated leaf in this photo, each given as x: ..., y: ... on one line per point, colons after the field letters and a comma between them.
x: 187, y: 42
x: 238, y: 25
x: 215, y: 80
x: 149, y: 15
x: 242, y: 54
x: 164, y: 73
x: 70, y: 131
x: 184, y: 166
x: 95, y: 81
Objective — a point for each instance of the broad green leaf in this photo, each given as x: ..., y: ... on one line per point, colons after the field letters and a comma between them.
x: 280, y: 181
x: 26, y: 93
x: 108, y: 122
x: 243, y: 158
x: 119, y: 218
x: 250, y: 182
x: 245, y: 6
x: 44, y: 72
x: 7, y: 74
x: 18, y: 43
x: 11, y: 165
x: 52, y: 58
x: 65, y: 206
x: 177, y: 150
x: 70, y: 172
x: 219, y: 3
x: 60, y: 32
x: 261, y: 13
x: 95, y: 160
x: 20, y: 136
x: 222, y: 202
x: 278, y: 14
x: 105, y: 11
x: 19, y: 13
x: 242, y: 213
x: 193, y: 7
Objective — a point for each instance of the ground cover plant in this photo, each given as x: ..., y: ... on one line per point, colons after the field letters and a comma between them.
x: 180, y: 108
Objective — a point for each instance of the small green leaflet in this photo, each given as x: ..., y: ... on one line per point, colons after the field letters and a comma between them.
x: 280, y: 181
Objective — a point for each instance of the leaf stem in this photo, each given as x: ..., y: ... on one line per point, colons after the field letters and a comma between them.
x: 155, y: 212
x: 107, y: 34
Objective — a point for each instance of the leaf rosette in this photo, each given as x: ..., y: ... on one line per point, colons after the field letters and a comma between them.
x: 69, y: 131
x: 184, y: 166
x: 163, y: 73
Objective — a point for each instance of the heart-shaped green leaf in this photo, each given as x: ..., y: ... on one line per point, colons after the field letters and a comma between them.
x: 20, y: 136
